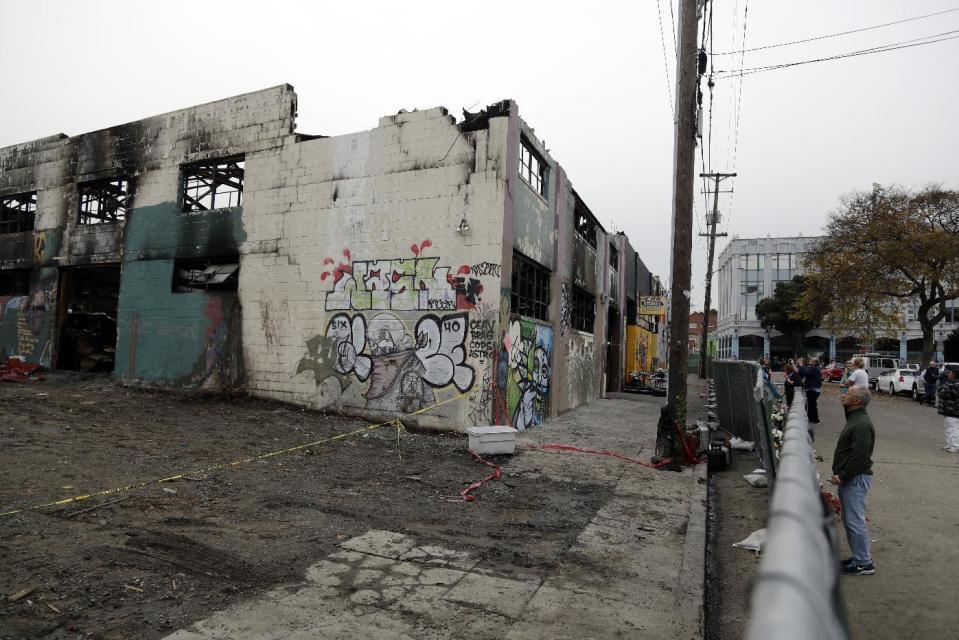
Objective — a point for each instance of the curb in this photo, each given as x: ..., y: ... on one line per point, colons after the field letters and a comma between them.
x: 691, y: 594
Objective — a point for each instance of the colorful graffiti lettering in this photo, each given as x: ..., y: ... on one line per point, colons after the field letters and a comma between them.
x: 402, y: 367
x: 530, y: 348
x: 399, y: 284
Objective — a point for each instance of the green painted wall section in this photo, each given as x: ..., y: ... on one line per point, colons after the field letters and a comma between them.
x: 183, y: 339
x: 179, y: 338
x: 26, y: 322
x: 162, y: 231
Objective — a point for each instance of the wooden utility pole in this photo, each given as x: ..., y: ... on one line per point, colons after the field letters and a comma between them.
x: 684, y: 176
x: 711, y: 222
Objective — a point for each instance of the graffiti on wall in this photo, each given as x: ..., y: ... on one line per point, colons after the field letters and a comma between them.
x: 529, y: 349
x: 565, y: 304
x: 30, y: 311
x: 401, y: 367
x: 416, y: 283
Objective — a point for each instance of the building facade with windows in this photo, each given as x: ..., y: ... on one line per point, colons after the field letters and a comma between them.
x: 749, y: 269
x: 426, y: 261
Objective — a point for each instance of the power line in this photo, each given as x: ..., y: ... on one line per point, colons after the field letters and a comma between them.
x: 739, y: 100
x: 662, y: 38
x: 841, y: 33
x: 730, y: 73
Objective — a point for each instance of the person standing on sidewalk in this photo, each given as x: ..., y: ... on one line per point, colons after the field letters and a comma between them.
x: 852, y: 474
x: 949, y: 407
x: 812, y: 382
x: 930, y: 378
x: 858, y: 377
x: 789, y: 383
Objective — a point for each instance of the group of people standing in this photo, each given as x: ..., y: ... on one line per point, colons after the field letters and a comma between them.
x: 807, y: 377
x: 852, y: 459
x: 942, y: 388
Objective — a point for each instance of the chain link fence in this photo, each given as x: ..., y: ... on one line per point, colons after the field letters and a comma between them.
x: 745, y: 402
x: 796, y: 594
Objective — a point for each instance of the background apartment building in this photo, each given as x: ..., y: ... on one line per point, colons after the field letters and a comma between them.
x: 381, y: 272
x: 749, y: 269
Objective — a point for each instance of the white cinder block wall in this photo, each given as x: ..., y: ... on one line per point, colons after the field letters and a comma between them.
x: 358, y: 291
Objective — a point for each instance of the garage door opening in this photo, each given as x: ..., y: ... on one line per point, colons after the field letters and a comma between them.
x: 88, y: 318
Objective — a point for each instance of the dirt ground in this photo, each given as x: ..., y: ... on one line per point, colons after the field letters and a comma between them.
x: 168, y: 554
x: 735, y: 510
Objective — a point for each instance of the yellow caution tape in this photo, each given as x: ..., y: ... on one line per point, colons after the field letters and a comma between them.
x: 400, y: 427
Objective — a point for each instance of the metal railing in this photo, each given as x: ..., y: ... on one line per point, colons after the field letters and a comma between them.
x: 796, y: 595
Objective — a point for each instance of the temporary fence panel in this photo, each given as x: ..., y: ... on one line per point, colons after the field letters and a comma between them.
x: 745, y: 402
x: 796, y: 596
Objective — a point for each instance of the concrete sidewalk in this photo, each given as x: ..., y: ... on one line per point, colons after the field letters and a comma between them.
x: 635, y: 571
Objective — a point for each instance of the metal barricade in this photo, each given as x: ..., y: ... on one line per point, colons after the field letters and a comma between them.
x: 744, y: 402
x: 796, y: 596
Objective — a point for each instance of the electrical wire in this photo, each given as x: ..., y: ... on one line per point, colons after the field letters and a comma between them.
x: 739, y: 103
x: 840, y: 33
x: 662, y: 39
x: 905, y: 44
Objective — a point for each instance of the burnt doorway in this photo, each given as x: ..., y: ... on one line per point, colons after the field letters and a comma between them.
x: 614, y: 341
x: 88, y: 318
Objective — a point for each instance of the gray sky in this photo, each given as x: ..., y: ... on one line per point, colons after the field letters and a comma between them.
x: 589, y: 77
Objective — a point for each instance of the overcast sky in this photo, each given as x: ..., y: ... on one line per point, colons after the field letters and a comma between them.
x: 589, y: 77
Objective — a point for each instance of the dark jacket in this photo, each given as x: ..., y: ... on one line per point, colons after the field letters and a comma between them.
x: 930, y: 376
x: 811, y: 377
x: 853, y: 454
x: 949, y: 399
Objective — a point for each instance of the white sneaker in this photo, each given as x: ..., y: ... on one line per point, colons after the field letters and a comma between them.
x: 952, y: 450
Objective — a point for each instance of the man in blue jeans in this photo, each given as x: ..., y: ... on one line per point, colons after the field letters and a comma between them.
x: 852, y: 473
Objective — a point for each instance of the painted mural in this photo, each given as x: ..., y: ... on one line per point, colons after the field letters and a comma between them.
x: 529, y: 349
x: 414, y: 283
x: 401, y: 367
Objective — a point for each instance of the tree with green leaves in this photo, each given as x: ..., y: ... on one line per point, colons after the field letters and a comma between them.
x: 781, y: 312
x: 884, y: 250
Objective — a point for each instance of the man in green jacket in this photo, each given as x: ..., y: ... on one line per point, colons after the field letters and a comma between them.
x: 852, y: 472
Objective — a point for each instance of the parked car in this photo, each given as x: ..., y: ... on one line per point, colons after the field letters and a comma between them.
x: 896, y: 381
x: 833, y: 373
x: 919, y: 386
x: 874, y: 364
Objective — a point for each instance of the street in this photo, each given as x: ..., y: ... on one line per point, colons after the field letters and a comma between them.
x: 914, y: 519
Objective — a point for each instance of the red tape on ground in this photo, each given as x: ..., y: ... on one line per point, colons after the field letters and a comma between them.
x: 464, y: 495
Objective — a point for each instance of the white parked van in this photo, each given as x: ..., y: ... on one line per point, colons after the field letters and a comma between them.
x: 874, y: 364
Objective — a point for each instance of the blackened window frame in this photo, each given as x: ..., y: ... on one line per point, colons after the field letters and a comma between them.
x: 613, y: 257
x: 182, y: 285
x: 533, y: 169
x: 585, y: 223
x: 530, y: 288
x: 104, y: 201
x: 214, y: 180
x: 18, y: 212
x: 583, y: 312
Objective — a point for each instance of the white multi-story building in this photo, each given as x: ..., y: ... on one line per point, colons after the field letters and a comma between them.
x: 749, y: 269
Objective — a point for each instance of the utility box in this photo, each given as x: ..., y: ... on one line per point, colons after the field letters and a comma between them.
x: 492, y: 440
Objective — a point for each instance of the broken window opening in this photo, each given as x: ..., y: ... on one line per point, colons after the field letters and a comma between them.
x: 532, y: 168
x: 217, y: 184
x: 583, y: 313
x: 15, y: 282
x: 206, y: 274
x: 613, y: 257
x: 18, y: 212
x: 103, y: 201
x: 585, y: 222
x: 530, y: 294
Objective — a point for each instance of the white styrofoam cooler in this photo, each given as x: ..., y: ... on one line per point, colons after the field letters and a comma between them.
x: 492, y: 440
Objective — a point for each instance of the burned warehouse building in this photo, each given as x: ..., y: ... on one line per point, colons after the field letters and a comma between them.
x: 380, y: 273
